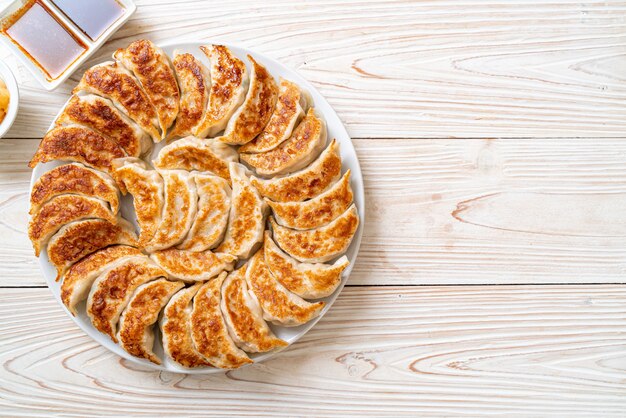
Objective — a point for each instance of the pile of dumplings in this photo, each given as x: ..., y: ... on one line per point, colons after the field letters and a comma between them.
x: 240, y: 214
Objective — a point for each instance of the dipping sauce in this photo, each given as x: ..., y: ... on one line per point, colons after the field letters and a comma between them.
x: 47, y: 42
x: 93, y: 17
x: 4, y: 100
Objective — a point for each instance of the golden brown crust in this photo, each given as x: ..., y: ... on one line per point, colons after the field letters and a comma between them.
x: 146, y: 187
x: 193, y: 266
x: 315, y: 212
x: 244, y: 316
x: 176, y: 329
x: 309, y: 281
x: 62, y: 210
x: 179, y: 209
x: 279, y: 304
x: 299, y: 150
x: 320, y: 244
x: 152, y: 68
x: 209, y: 331
x: 78, y: 239
x: 193, y: 153
x: 76, y: 143
x: 228, y: 79
x: 247, y: 216
x: 79, y: 278
x: 100, y: 115
x: 110, y: 80
x: 211, y: 220
x: 304, y: 184
x: 136, y: 334
x: 111, y: 292
x: 194, y: 80
x: 249, y: 120
x: 73, y: 179
x: 288, y: 110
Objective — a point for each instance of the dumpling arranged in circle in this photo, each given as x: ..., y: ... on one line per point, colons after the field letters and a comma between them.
x: 113, y: 289
x: 78, y: 239
x: 194, y: 81
x: 219, y: 278
x: 79, y: 144
x: 147, y: 189
x: 320, y: 244
x: 152, y: 68
x: 229, y: 83
x: 62, y: 210
x: 100, y: 115
x: 306, y: 183
x: 112, y: 81
x: 247, y: 216
x: 192, y: 153
x: 304, y: 145
x: 75, y: 179
x: 136, y: 326
x: 209, y: 331
x: 251, y: 117
x: 279, y: 305
x: 290, y: 108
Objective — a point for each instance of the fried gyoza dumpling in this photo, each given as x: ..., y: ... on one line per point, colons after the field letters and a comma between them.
x: 244, y: 316
x: 146, y: 187
x: 320, y: 244
x: 209, y: 226
x: 112, y: 290
x: 149, y: 64
x: 114, y: 82
x: 306, y: 183
x: 246, y: 222
x: 62, y: 210
x: 136, y: 328
x: 315, y: 212
x: 290, y: 108
x: 279, y: 305
x: 176, y: 329
x: 77, y: 179
x: 229, y: 81
x: 78, y: 239
x: 77, y: 143
x: 193, y: 153
x: 193, y: 266
x: 99, y: 114
x: 310, y: 281
x: 179, y: 209
x: 209, y: 331
x: 249, y: 120
x: 79, y: 278
x: 304, y: 145
x: 194, y: 81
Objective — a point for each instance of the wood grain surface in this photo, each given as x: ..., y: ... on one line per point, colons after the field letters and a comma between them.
x: 492, y: 275
x: 394, y: 351
x: 413, y: 69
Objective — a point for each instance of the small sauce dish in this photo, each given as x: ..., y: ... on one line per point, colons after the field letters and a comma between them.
x: 52, y: 38
x: 14, y: 98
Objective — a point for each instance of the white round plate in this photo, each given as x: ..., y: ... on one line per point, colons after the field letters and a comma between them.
x: 14, y: 98
x: 350, y: 161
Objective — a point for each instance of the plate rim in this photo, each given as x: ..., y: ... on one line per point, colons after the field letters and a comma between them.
x: 359, y: 199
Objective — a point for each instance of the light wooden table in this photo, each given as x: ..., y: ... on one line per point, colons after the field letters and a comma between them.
x: 492, y: 274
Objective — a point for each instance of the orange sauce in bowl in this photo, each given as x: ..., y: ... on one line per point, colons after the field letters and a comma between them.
x: 5, y: 98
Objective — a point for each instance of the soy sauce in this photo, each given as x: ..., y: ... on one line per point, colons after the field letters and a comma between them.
x: 93, y: 17
x: 46, y: 41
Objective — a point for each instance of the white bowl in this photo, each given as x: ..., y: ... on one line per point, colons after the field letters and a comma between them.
x: 350, y: 161
x: 7, y: 76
